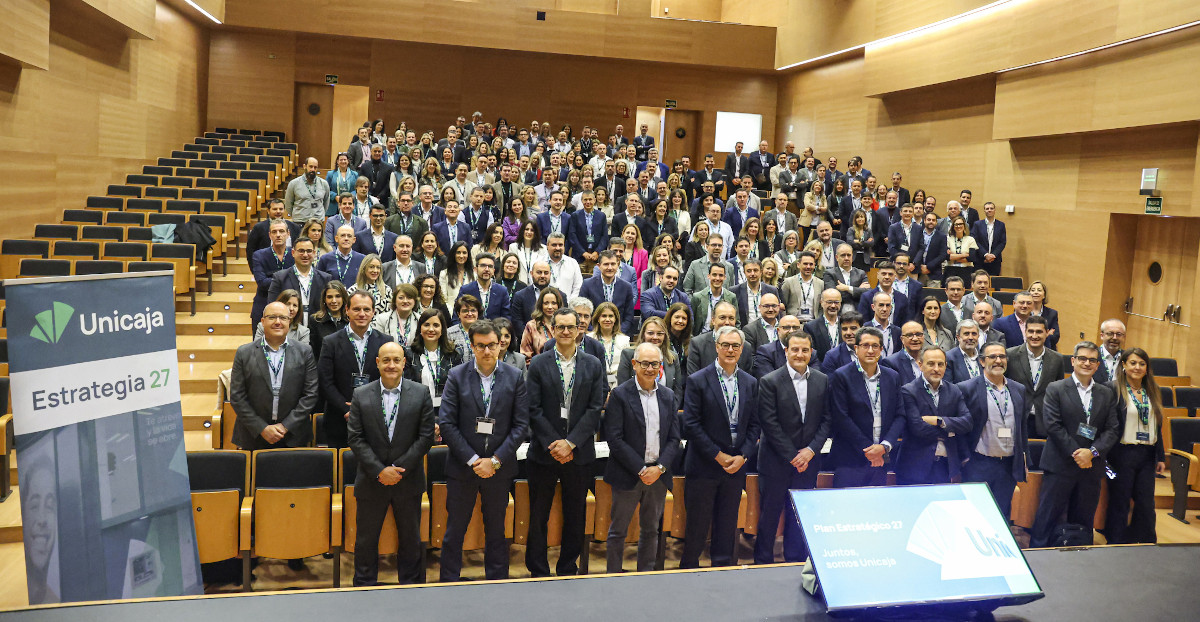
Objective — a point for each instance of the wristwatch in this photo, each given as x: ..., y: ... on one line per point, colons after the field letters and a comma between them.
x: 941, y: 423
x: 661, y: 469
x: 495, y: 464
x: 1095, y: 453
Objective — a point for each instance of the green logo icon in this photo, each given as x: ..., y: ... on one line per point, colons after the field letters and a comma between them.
x: 51, y: 323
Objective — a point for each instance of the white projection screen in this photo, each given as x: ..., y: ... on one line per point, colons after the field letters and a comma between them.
x: 737, y: 126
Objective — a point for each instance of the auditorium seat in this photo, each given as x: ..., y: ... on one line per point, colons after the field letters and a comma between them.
x: 88, y: 266
x: 388, y: 537
x: 158, y: 170
x: 205, y: 164
x: 1189, y: 398
x: 221, y: 509
x: 233, y: 222
x: 182, y: 257
x: 1014, y: 283
x: 197, y: 148
x: 105, y: 203
x: 208, y: 141
x: 44, y: 267
x: 183, y: 206
x: 1027, y: 493
x: 139, y: 234
x: 165, y: 218
x: 1174, y: 381
x: 1168, y: 396
x: 56, y: 232
x: 82, y: 217
x: 296, y: 505
x: 1164, y: 367
x: 188, y: 171
x: 1005, y: 298
x: 6, y: 441
x: 213, y: 157
x: 13, y: 251
x: 1183, y: 462
x: 937, y: 292
x: 213, y: 183
x: 127, y: 219
x: 75, y: 251
x: 216, y: 225
x: 198, y: 194
x: 144, y: 205
x: 150, y: 266
x: 162, y: 192
x: 182, y: 182
x: 1168, y: 414
x: 125, y: 251
x: 172, y: 162
x: 124, y: 190
x: 141, y: 180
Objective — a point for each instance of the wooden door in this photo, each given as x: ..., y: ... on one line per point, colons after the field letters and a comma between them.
x: 675, y: 147
x: 349, y: 113
x: 313, y: 118
x: 1162, y: 277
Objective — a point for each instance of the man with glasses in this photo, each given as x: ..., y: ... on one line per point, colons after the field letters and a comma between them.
x: 377, y: 239
x: 404, y: 221
x: 865, y: 409
x: 566, y: 391
x: 934, y: 415
x: 962, y: 363
x: 303, y: 278
x: 795, y: 424
x: 763, y: 329
x: 348, y: 362
x: 995, y: 447
x: 844, y: 353
x: 493, y: 296
x: 273, y: 401
x: 484, y: 418
x: 583, y: 311
x: 771, y: 356
x: 643, y: 434
x: 721, y: 428
x: 1112, y: 338
x: 906, y: 362
x: 1081, y: 427
x: 703, y: 350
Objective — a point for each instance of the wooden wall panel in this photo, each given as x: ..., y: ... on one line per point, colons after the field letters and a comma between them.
x: 247, y: 87
x: 1015, y: 34
x: 1127, y: 86
x: 709, y: 10
x: 629, y: 36
x: 106, y: 106
x: 25, y: 32
x: 137, y: 16
x: 1111, y: 163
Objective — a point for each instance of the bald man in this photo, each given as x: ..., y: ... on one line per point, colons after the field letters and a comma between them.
x: 273, y: 386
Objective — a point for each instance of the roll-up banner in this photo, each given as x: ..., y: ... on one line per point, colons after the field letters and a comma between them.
x: 105, y: 501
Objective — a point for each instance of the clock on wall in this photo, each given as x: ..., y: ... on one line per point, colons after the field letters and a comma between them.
x: 680, y: 132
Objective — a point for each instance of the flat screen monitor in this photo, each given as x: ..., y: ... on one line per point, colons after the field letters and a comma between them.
x: 913, y: 547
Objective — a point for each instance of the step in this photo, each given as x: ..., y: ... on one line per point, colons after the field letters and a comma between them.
x: 239, y: 302
x: 212, y: 323
x: 200, y: 377
x: 232, y: 284
x: 212, y: 347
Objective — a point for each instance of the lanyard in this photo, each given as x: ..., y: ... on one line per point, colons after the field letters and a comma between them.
x: 360, y: 356
x: 276, y: 370
x: 452, y: 229
x: 1087, y: 408
x: 278, y: 262
x: 1002, y: 407
x: 390, y: 414
x: 305, y: 284
x: 1142, y: 405
x: 608, y: 290
x: 590, y: 217
x: 972, y: 367
x: 932, y: 395
x: 872, y: 397
x: 485, y: 391
x: 342, y: 270
x: 568, y: 386
x: 485, y: 297
x: 731, y: 398
x: 611, y: 349
x: 1037, y: 375
x: 433, y: 364
x: 405, y: 224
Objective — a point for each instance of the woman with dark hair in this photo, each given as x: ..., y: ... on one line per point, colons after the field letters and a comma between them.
x: 330, y: 318
x: 528, y: 248
x: 696, y: 245
x: 935, y: 333
x: 1041, y: 296
x: 512, y: 355
x: 491, y: 243
x: 429, y: 294
x: 429, y: 254
x: 672, y: 245
x: 679, y: 329
x: 401, y: 322
x: 447, y: 164
x: 918, y: 199
x: 772, y: 239
x: 659, y: 220
x: 1138, y: 455
x: 537, y: 331
x: 296, y: 330
x: 607, y: 320
x: 509, y: 274
x: 514, y: 217
x: 378, y: 132
x: 431, y: 355
x: 459, y: 271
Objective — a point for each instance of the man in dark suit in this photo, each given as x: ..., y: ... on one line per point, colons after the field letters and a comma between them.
x: 379, y: 172
x: 442, y: 230
x: 656, y: 300
x: 764, y: 329
x: 934, y: 415
x: 643, y: 434
x: 1035, y: 366
x: 484, y: 418
x: 850, y: 282
x: 608, y: 288
x: 566, y: 390
x: 794, y: 423
x: 492, y: 295
x: 824, y: 329
x: 721, y: 427
x: 934, y: 252
x: 377, y: 240
x: 886, y: 272
x: 995, y: 447
x: 881, y: 308
x: 991, y: 236
x: 749, y: 293
x: 902, y: 194
x: 303, y: 278
x: 522, y: 303
x: 360, y: 148
x: 390, y: 430
x: 1081, y: 427
x: 343, y: 263
x: 736, y: 164
x: 264, y: 264
x: 702, y: 351
x: 865, y: 408
x: 348, y: 362
x: 1112, y: 342
x: 761, y: 162
x: 259, y: 238
x: 906, y: 361
x: 769, y: 357
x: 962, y: 362
x: 706, y: 174
x: 1013, y: 326
x: 402, y: 270
x: 273, y: 387
x: 588, y: 231
x: 905, y: 236
x: 642, y: 143
x: 843, y: 353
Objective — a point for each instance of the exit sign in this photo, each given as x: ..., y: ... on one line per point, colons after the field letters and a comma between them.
x: 1154, y: 205
x: 331, y: 78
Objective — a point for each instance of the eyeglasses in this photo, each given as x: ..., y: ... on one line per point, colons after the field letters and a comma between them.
x: 486, y: 347
x: 1112, y: 334
x: 1090, y: 360
x: 995, y: 357
x: 648, y: 364
x: 729, y: 346
x: 870, y: 346
x: 281, y: 318
x: 912, y: 335
x: 563, y: 329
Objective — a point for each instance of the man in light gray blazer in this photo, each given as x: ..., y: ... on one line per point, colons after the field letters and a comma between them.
x: 273, y: 387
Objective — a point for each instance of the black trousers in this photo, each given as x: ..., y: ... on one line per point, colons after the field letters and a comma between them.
x: 1134, y: 466
x: 711, y: 503
x: 991, y: 268
x: 460, y: 504
x: 1075, y: 493
x: 371, y: 513
x: 997, y: 473
x: 854, y: 477
x: 773, y: 493
x: 939, y: 473
x: 542, y: 481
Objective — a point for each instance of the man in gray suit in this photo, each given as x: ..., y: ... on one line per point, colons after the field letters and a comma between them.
x: 390, y: 430
x: 785, y: 220
x: 696, y: 278
x: 702, y: 351
x: 402, y: 269
x: 273, y: 387
x: 1035, y: 366
x: 850, y: 282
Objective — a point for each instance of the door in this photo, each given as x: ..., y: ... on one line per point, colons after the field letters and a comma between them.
x: 1162, y: 286
x: 349, y: 113
x: 675, y: 147
x: 314, y: 115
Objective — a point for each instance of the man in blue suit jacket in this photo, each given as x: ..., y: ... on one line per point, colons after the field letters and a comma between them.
x: 608, y: 288
x: 990, y: 254
x: 901, y: 242
x: 733, y: 215
x: 555, y: 219
x: 656, y: 300
x: 907, y: 362
x: 588, y: 230
x: 343, y: 263
x: 522, y: 303
x: 721, y: 427
x: 771, y: 356
x: 881, y: 307
x: 935, y: 250
x: 484, y: 418
x: 794, y: 422
x: 995, y: 447
x: 462, y: 231
x: 364, y: 242
x: 865, y: 407
x: 289, y: 278
x: 886, y: 273
x: 495, y: 302
x: 1012, y: 326
x: 843, y: 353
x: 934, y: 415
x: 264, y: 264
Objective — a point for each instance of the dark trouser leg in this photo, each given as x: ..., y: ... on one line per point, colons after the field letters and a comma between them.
x: 1085, y: 497
x: 574, y: 479
x: 654, y: 498
x: 1141, y: 527
x: 997, y: 474
x: 542, y: 480
x: 368, y: 524
x: 853, y: 477
x: 407, y: 511
x: 624, y: 502
x: 1124, y: 460
x: 772, y: 491
x: 1056, y: 496
x: 494, y: 493
x: 698, y: 499
x: 460, y: 504
x: 940, y: 473
x: 725, y: 515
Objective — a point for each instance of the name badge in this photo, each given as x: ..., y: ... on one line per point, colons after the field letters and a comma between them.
x: 484, y: 425
x: 1087, y: 431
x: 359, y: 380
x: 275, y: 391
x: 1143, y: 437
x: 1004, y: 433
x: 564, y: 412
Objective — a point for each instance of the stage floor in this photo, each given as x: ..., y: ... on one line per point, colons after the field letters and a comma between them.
x: 1101, y: 583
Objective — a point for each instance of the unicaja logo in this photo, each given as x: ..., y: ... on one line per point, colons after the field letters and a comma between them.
x: 50, y: 324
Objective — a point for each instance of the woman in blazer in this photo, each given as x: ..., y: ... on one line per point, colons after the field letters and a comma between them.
x: 1037, y: 289
x: 341, y: 180
x: 772, y: 239
x: 431, y: 356
x: 1138, y: 455
x: 816, y: 207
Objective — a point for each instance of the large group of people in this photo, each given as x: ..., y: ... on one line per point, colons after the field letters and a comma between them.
x: 504, y: 286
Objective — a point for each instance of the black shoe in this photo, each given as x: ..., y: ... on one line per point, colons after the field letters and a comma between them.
x: 296, y: 564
